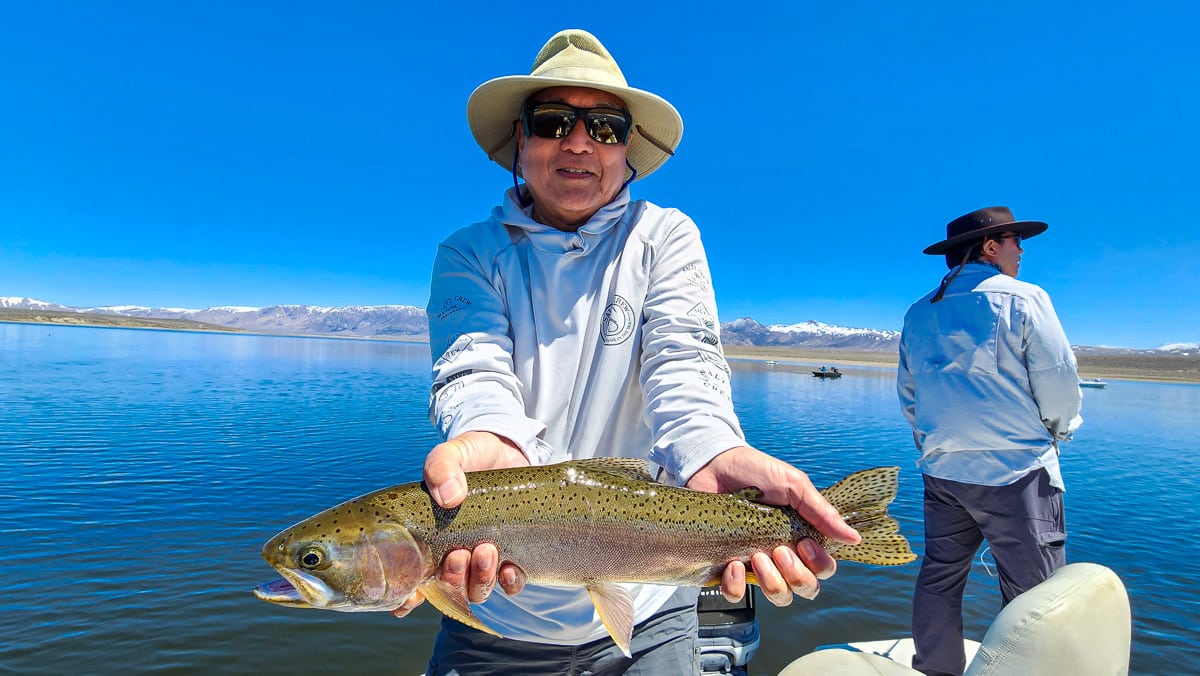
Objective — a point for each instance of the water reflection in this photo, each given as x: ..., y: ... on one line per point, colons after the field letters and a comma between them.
x: 145, y: 469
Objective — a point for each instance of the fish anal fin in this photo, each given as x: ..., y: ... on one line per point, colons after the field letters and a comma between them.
x: 614, y: 605
x: 453, y: 603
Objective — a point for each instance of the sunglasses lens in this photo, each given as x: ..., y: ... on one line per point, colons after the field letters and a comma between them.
x: 551, y: 121
x: 607, y: 126
x: 554, y: 120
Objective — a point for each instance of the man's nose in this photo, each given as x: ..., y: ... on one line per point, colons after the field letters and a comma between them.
x: 578, y: 140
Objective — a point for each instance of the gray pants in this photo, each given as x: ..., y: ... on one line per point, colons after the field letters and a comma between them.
x: 1023, y: 524
x: 663, y: 644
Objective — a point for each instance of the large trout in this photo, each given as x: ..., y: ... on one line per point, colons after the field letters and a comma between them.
x: 587, y: 523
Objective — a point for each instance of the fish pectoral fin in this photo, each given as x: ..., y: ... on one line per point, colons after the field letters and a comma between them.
x: 614, y: 605
x: 453, y: 603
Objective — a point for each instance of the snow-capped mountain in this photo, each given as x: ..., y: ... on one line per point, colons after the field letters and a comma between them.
x: 1181, y: 349
x: 31, y: 304
x: 1185, y: 349
x: 365, y: 321
x: 406, y: 321
x: 355, y: 320
x: 811, y: 334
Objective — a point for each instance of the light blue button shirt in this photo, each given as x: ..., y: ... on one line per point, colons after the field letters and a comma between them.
x: 988, y: 380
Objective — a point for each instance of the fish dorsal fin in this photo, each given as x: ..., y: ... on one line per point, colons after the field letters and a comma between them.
x: 751, y: 493
x: 637, y: 469
x: 614, y: 605
x: 451, y: 601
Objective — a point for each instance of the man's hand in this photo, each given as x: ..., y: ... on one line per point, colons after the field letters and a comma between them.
x: 478, y: 570
x: 784, y: 571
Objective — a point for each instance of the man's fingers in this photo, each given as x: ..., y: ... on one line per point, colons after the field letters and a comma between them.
x: 444, y: 473
x: 485, y: 559
x: 772, y: 584
x: 409, y: 604
x: 454, y: 568
x: 511, y: 578
x: 817, y: 560
x: 810, y: 504
x: 733, y: 582
x: 800, y: 580
x: 447, y: 463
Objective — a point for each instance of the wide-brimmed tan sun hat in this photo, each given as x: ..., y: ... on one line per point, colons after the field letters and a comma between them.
x: 573, y: 58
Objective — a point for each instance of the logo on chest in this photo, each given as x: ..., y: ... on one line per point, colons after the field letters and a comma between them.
x: 617, y: 323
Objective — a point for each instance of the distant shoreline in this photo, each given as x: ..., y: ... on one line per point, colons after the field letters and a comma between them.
x: 1167, y: 368
x: 1172, y: 368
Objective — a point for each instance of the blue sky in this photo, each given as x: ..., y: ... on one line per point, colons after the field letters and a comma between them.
x: 191, y: 154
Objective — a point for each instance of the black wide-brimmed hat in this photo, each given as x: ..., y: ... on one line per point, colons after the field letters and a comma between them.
x: 979, y: 224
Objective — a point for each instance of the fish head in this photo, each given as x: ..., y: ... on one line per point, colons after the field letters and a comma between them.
x: 336, y: 561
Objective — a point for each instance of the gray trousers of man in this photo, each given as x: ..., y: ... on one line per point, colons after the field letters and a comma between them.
x: 1024, y: 526
x: 665, y: 643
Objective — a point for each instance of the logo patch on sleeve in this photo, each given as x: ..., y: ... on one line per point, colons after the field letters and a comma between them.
x: 458, y: 343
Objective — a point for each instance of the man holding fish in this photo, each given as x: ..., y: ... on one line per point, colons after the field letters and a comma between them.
x: 593, y: 465
x: 574, y: 323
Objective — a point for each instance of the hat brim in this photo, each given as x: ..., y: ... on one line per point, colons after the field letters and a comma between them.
x: 1026, y: 229
x: 496, y: 104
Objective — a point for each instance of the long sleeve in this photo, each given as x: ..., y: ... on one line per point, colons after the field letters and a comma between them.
x: 685, y: 377
x: 1053, y: 375
x: 474, y: 384
x: 987, y: 380
x: 906, y: 390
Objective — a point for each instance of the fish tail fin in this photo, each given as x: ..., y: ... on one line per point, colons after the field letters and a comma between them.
x: 862, y: 499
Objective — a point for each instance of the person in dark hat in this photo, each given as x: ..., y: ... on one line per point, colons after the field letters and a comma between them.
x: 988, y: 381
x: 576, y: 322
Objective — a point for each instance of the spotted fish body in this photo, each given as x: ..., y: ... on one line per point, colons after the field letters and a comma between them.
x: 587, y: 523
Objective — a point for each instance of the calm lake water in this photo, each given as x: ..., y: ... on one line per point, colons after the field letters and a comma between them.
x: 143, y: 471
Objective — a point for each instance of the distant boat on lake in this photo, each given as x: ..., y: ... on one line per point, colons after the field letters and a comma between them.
x: 1093, y: 382
x: 828, y: 373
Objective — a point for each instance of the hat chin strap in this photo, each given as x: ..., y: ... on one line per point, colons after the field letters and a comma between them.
x: 517, y: 186
x: 950, y: 276
x: 632, y: 175
x: 653, y: 141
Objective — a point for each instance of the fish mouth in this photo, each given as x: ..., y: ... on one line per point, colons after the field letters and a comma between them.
x: 296, y: 589
x: 282, y: 592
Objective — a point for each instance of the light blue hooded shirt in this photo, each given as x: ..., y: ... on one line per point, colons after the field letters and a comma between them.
x: 600, y: 342
x: 988, y: 380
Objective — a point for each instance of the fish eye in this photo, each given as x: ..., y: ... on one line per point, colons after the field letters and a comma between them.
x: 312, y: 558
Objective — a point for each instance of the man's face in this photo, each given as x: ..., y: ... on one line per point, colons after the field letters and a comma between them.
x: 1008, y: 253
x: 572, y: 177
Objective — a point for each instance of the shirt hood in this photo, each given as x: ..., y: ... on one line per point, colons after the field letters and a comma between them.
x: 547, y: 238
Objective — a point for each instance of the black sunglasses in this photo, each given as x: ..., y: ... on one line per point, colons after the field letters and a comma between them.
x: 1013, y: 236
x: 609, y: 126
